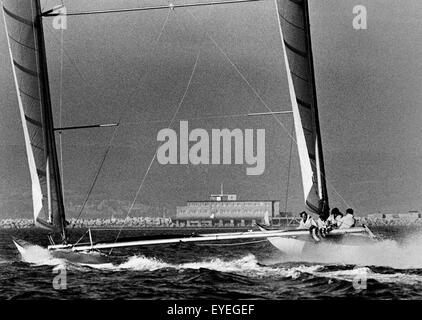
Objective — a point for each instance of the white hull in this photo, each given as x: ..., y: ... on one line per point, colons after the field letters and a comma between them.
x: 288, y: 246
x: 294, y: 247
x: 87, y: 257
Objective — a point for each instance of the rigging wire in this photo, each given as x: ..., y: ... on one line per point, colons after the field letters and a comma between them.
x: 75, y: 66
x: 110, y: 144
x: 244, y: 78
x: 155, y: 154
x: 256, y: 93
x: 238, y: 115
x: 97, y: 174
x: 60, y: 110
x: 288, y: 176
x: 349, y: 205
x: 114, y: 132
x: 170, y: 6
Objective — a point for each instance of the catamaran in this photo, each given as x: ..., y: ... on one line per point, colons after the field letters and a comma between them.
x: 23, y: 21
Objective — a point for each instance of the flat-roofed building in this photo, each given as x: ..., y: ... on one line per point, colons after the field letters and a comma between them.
x: 224, y: 210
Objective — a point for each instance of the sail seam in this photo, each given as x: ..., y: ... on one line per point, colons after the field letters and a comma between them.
x: 28, y: 95
x: 303, y: 103
x: 38, y: 147
x: 291, y: 23
x: 33, y: 121
x: 26, y: 70
x: 297, y: 2
x: 298, y: 76
x: 295, y: 50
x: 41, y: 172
x: 22, y: 44
x: 18, y: 18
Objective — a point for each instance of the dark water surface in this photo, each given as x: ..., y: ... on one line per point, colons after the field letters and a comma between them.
x: 390, y: 269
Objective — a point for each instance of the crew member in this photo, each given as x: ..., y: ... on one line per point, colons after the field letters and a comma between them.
x: 333, y: 219
x: 348, y: 221
x: 307, y: 221
x: 322, y: 227
x: 338, y: 219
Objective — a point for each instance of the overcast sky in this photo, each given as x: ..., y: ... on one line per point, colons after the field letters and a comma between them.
x: 369, y: 86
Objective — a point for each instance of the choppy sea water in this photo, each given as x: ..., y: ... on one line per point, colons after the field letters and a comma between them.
x: 391, y: 268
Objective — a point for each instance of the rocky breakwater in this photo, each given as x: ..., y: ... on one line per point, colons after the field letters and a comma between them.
x: 16, y: 223
x: 131, y: 222
x: 391, y: 222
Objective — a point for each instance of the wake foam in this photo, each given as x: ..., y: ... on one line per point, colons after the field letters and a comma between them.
x: 360, y: 273
x: 389, y: 253
x: 39, y: 256
x: 386, y: 253
x: 247, y: 266
x: 141, y: 263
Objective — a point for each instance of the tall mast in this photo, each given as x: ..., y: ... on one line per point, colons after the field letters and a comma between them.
x: 325, y: 206
x: 48, y: 127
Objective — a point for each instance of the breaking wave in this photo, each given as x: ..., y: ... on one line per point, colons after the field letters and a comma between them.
x: 387, y: 253
x: 371, y: 273
x: 141, y: 263
x: 39, y: 256
x: 250, y: 267
x: 247, y: 265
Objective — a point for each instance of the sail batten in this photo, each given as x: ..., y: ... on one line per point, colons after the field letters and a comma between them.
x: 22, y: 20
x: 295, y: 38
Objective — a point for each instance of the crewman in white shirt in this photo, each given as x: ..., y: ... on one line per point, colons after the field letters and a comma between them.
x: 307, y: 221
x: 348, y: 221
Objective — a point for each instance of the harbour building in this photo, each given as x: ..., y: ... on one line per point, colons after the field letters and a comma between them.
x: 225, y: 210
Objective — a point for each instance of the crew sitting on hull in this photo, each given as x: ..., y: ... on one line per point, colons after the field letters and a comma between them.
x: 322, y: 227
x: 338, y: 219
x: 334, y: 219
x: 348, y: 221
x: 316, y: 229
x: 307, y: 221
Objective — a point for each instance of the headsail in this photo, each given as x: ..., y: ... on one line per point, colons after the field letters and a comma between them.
x: 296, y: 40
x: 22, y: 19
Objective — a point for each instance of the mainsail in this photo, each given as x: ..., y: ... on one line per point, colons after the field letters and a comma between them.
x: 296, y: 40
x: 25, y: 38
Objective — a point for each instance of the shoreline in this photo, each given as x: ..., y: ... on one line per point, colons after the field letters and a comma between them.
x: 149, y: 223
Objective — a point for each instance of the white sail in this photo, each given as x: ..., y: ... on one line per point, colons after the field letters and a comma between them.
x: 305, y: 162
x: 26, y: 47
x: 37, y: 195
x: 295, y: 37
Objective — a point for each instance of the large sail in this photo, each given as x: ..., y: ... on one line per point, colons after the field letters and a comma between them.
x: 296, y: 40
x: 26, y: 45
